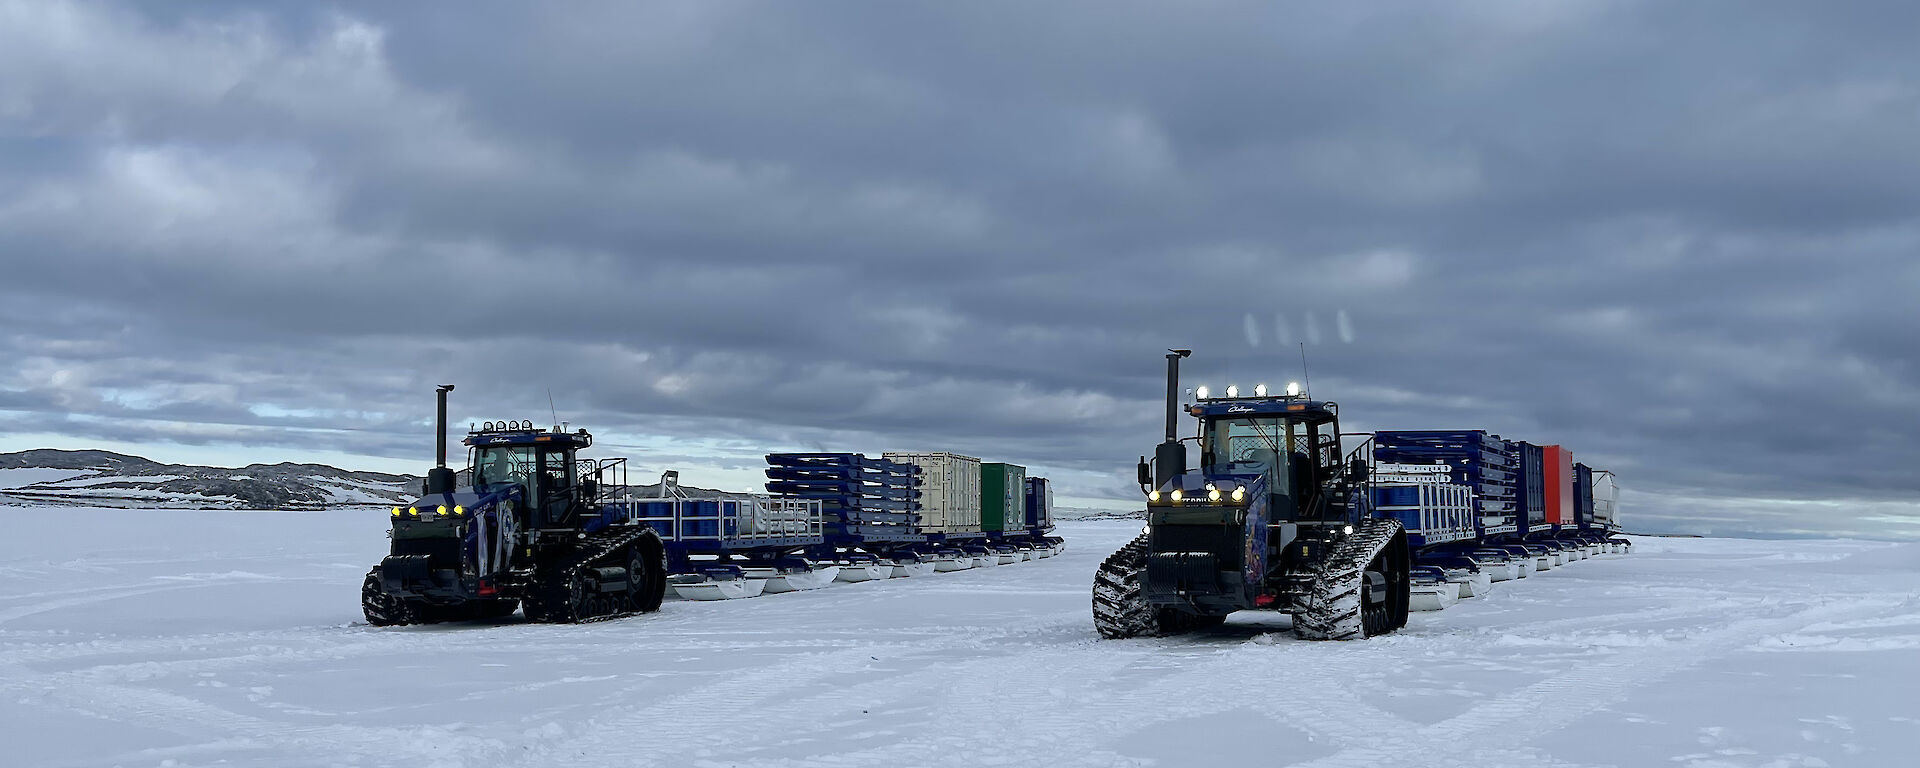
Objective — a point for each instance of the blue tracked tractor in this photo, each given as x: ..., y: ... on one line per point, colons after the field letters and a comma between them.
x: 1278, y: 517
x: 532, y: 528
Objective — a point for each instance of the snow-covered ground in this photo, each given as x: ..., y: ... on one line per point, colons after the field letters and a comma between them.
x: 183, y: 638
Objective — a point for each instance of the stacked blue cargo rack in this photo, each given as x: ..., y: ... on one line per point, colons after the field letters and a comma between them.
x: 1433, y: 513
x: 862, y: 499
x: 722, y: 526
x: 1481, y: 461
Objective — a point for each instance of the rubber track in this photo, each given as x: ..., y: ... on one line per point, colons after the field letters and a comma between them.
x: 552, y: 582
x: 382, y: 609
x: 1120, y: 606
x: 1332, y: 603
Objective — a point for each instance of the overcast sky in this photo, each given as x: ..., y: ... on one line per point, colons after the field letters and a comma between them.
x: 1679, y: 238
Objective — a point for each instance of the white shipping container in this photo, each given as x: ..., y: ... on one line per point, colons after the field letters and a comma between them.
x: 1044, y: 517
x: 949, y: 490
x: 1605, y: 496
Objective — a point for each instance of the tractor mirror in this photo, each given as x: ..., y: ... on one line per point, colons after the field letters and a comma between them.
x: 1357, y: 471
x: 589, y: 489
x: 1144, y: 472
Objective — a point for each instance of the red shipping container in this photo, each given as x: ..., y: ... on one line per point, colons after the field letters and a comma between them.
x: 1556, y: 476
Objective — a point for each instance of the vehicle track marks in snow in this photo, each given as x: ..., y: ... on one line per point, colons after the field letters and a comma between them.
x: 619, y: 739
x: 1563, y: 699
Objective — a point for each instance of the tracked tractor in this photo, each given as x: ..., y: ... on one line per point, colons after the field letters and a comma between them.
x: 1277, y: 517
x: 529, y: 525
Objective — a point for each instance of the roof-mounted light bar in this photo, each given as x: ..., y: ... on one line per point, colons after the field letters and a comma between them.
x: 1259, y: 391
x: 504, y: 426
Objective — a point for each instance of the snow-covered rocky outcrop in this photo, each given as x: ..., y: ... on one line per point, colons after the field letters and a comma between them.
x: 103, y: 478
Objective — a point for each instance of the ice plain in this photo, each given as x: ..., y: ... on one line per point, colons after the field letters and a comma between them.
x: 136, y: 637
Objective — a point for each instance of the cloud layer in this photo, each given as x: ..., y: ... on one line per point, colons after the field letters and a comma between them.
x: 1678, y: 238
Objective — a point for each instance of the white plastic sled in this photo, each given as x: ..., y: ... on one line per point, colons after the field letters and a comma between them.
x: 724, y: 589
x: 1433, y: 596
x: 864, y: 572
x: 793, y: 580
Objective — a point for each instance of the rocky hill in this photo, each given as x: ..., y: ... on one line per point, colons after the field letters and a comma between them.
x: 103, y: 478
x: 107, y: 479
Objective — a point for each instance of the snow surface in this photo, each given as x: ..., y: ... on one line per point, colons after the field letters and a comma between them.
x: 189, y: 638
x: 93, y: 480
x: 21, y: 476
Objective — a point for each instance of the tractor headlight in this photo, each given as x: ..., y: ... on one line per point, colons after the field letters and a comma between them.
x: 1348, y: 530
x: 1259, y: 390
x: 1240, y: 493
x: 396, y: 511
x: 413, y: 511
x: 1213, y: 495
x: 459, y: 510
x: 1201, y: 393
x: 1233, y: 390
x: 1154, y: 496
x: 442, y: 510
x: 1176, y: 494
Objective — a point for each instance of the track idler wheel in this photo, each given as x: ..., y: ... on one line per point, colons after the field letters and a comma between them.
x: 583, y: 599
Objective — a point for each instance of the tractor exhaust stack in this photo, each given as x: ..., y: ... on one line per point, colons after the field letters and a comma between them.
x: 440, y: 479
x: 1170, y: 458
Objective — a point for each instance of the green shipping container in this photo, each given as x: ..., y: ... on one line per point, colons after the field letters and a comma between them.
x: 1003, y: 496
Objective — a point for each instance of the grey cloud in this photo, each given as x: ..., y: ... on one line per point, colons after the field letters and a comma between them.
x: 1676, y: 237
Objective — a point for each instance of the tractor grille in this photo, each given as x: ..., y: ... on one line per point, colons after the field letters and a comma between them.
x: 443, y: 552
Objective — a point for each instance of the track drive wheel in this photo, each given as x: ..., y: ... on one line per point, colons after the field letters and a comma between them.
x: 380, y: 608
x: 646, y: 575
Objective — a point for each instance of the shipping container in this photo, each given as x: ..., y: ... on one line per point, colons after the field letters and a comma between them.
x: 1003, y: 497
x: 1530, y: 487
x: 949, y: 491
x: 1605, y: 496
x: 1583, y: 496
x: 1556, y: 464
x: 1039, y: 504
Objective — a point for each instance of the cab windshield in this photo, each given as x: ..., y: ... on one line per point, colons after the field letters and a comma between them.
x: 504, y: 464
x: 1250, y: 446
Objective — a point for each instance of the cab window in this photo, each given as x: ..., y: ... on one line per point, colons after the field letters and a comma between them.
x: 1248, y: 447
x: 504, y: 464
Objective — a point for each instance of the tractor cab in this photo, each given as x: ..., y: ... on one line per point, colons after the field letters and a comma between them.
x: 541, y: 464
x: 1289, y: 442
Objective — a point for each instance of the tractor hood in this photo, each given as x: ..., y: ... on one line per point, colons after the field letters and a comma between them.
x: 465, y: 499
